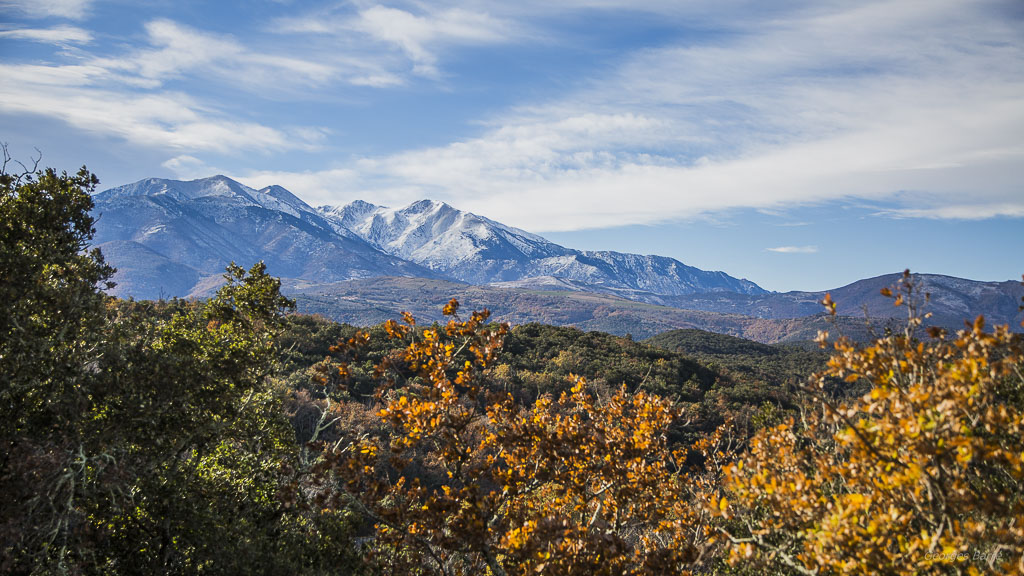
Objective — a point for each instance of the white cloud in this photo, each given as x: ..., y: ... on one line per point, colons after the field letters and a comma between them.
x: 919, y: 106
x: 186, y: 167
x: 176, y: 50
x: 315, y: 188
x: 124, y: 96
x: 794, y: 249
x: 59, y: 35
x: 166, y: 120
x: 419, y: 35
x: 889, y: 101
x: 72, y: 9
x: 959, y: 211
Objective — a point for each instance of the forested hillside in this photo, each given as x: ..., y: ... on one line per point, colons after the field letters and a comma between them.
x: 231, y: 436
x: 374, y: 300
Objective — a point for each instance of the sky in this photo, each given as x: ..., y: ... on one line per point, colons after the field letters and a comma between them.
x: 799, y: 144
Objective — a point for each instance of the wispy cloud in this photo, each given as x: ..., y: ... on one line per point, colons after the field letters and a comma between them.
x: 794, y: 249
x: 60, y: 35
x: 419, y: 33
x: 162, y: 121
x: 124, y: 96
x: 418, y: 36
x: 915, y: 106
x: 175, y: 50
x: 72, y: 9
x: 869, y: 100
x: 316, y: 187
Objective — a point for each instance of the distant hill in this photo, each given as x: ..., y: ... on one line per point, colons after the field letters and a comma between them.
x: 373, y: 300
x: 952, y: 300
x: 771, y: 364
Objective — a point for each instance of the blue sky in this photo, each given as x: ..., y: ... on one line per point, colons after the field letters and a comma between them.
x: 802, y: 145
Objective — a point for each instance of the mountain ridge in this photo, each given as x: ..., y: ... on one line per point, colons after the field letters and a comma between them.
x: 171, y: 238
x: 479, y: 250
x: 203, y: 224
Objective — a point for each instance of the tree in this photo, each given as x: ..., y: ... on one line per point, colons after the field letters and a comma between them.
x: 468, y: 483
x: 51, y: 326
x: 921, y: 475
x: 140, y: 437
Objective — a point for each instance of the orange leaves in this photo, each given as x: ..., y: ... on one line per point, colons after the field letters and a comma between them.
x: 979, y: 325
x: 829, y: 304
x: 567, y: 485
x: 395, y: 330
x: 451, y: 308
x: 359, y: 340
x: 928, y: 460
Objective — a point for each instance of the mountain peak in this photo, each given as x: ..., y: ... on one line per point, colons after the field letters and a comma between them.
x: 221, y: 187
x: 363, y: 205
x: 427, y: 233
x: 475, y: 249
x: 427, y: 205
x: 182, y: 190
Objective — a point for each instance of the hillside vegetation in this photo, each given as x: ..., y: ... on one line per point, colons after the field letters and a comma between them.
x: 229, y: 436
x: 746, y: 360
x: 374, y: 300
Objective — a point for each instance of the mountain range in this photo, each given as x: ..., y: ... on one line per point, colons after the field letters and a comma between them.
x: 363, y: 263
x: 173, y: 238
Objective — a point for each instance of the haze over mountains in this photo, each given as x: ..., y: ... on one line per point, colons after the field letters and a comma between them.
x: 364, y: 263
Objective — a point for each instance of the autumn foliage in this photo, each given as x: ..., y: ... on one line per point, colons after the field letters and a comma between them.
x: 921, y: 475
x: 472, y: 482
x: 140, y: 438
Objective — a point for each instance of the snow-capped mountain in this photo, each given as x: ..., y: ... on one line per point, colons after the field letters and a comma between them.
x: 478, y: 250
x: 172, y: 238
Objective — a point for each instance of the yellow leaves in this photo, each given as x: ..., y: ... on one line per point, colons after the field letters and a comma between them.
x: 451, y: 308
x: 829, y: 304
x: 896, y: 463
x: 579, y: 385
x: 394, y: 330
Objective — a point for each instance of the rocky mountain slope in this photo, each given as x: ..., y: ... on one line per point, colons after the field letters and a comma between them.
x: 474, y: 249
x: 373, y: 300
x: 171, y: 238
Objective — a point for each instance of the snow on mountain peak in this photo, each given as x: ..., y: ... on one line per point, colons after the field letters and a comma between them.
x: 476, y: 249
x: 429, y: 233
